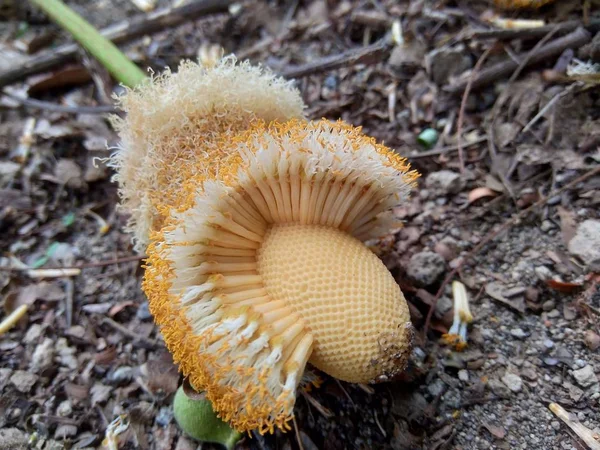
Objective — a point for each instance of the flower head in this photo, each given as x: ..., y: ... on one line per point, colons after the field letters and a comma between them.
x: 259, y: 267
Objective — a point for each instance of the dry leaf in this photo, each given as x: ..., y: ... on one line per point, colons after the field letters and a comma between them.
x: 497, y: 432
x: 563, y: 286
x: 480, y: 192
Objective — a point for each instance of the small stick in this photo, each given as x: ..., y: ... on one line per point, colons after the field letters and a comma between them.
x: 12, y: 319
x: 69, y: 293
x: 363, y: 55
x: 125, y: 331
x: 588, y: 436
x: 523, y: 33
x: 463, y: 104
x: 121, y: 32
x: 73, y: 270
x: 449, y: 148
x: 532, y: 33
x: 52, y: 273
x: 322, y: 409
x: 545, y: 109
x: 494, y: 234
x: 298, y: 438
x: 54, y: 107
x: 502, y: 69
x: 107, y: 53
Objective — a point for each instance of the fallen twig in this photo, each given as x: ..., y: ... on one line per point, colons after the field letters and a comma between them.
x: 532, y: 33
x: 53, y: 273
x: 125, y: 331
x: 591, y: 439
x: 363, y: 55
x: 447, y: 149
x: 494, y: 234
x: 107, y: 53
x: 124, y: 31
x: 500, y: 102
x: 12, y: 319
x: 504, y: 68
x: 463, y: 104
x: 72, y: 270
x: 54, y: 107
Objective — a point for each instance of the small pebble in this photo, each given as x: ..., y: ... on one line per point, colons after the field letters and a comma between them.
x: 585, y: 377
x: 518, y: 333
x: 164, y: 416
x: 592, y: 340
x: 548, y: 305
x: 463, y: 375
x: 513, y: 382
x: 546, y: 226
x: 143, y: 312
x: 543, y: 273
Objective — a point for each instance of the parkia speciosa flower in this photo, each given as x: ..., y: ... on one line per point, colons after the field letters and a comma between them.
x: 256, y: 258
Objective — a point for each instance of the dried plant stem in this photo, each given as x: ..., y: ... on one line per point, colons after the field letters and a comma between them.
x: 101, y: 48
x: 591, y: 439
x: 494, y: 234
x: 463, y: 105
x: 120, y: 32
x: 12, y: 319
x: 576, y: 39
x: 71, y: 271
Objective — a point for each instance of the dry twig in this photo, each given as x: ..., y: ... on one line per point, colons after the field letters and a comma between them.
x: 463, y: 104
x: 124, y: 31
x: 591, y: 439
x: 363, y: 55
x: 134, y: 336
x: 72, y: 270
x: 576, y: 39
x: 54, y: 107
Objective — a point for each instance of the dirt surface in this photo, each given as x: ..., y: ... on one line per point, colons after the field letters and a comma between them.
x: 87, y: 350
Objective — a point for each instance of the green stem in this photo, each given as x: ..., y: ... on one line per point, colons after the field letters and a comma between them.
x: 233, y: 439
x: 102, y: 49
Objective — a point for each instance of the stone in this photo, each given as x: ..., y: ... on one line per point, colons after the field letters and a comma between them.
x: 13, y: 439
x: 64, y: 409
x: 445, y: 63
x: 543, y: 273
x: 121, y: 374
x: 529, y: 374
x: 586, y: 243
x: 548, y: 305
x: 436, y: 388
x: 592, y: 340
x: 23, y: 380
x: 444, y: 182
x: 499, y: 388
x: 443, y: 306
x: 143, y: 312
x: 33, y: 333
x: 513, y: 381
x: 43, y: 356
x: 4, y: 376
x: 585, y: 377
x: 548, y: 344
x: 463, y: 375
x: 425, y: 268
x: 518, y: 333
x: 574, y: 392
